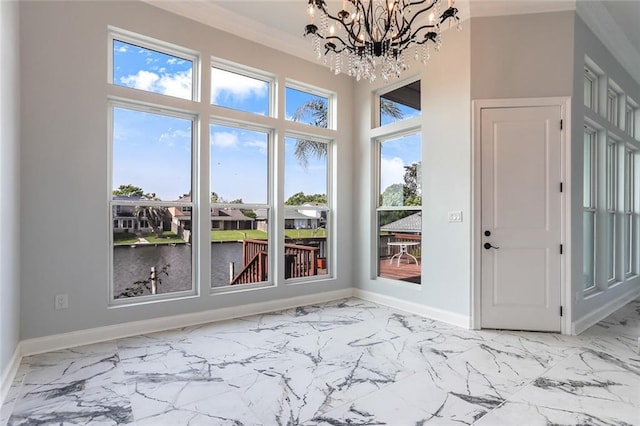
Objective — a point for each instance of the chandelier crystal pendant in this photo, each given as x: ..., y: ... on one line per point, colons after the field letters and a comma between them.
x: 367, y: 36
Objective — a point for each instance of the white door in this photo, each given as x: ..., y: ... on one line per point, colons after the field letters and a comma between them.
x: 521, y: 218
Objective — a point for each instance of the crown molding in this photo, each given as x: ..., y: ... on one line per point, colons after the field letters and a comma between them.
x: 600, y: 21
x: 485, y: 8
x: 213, y: 15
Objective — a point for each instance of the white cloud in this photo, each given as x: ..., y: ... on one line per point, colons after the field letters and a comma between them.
x: 122, y: 49
x: 261, y: 145
x: 170, y: 138
x: 236, y: 85
x: 224, y: 139
x: 178, y: 84
x: 143, y: 80
x: 392, y: 171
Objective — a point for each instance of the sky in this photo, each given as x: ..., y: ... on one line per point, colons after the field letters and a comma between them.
x: 154, y: 151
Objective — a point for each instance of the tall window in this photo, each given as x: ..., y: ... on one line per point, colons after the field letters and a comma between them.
x: 306, y: 215
x: 240, y: 205
x: 589, y: 207
x: 399, y: 211
x: 151, y: 178
x: 611, y: 208
x: 630, y: 221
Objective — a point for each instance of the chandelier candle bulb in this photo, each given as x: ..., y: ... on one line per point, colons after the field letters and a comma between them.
x: 375, y: 34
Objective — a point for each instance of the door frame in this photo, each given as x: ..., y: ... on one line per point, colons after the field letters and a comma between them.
x: 564, y: 103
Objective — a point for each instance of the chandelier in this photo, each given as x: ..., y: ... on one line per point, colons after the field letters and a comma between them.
x: 370, y: 35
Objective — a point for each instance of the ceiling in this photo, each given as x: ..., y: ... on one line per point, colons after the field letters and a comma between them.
x: 280, y: 23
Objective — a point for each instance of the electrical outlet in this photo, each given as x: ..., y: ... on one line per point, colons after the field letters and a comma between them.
x: 61, y: 302
x: 455, y: 216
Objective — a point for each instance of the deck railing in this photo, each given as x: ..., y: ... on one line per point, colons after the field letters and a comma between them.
x: 300, y: 259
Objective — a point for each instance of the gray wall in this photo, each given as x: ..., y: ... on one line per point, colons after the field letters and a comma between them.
x: 9, y: 184
x: 446, y: 157
x: 65, y: 225
x: 522, y: 56
x: 586, y: 43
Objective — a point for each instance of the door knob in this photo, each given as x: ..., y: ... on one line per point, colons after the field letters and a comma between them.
x: 489, y: 246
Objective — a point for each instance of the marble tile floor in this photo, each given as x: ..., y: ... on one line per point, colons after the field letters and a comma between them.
x: 347, y: 362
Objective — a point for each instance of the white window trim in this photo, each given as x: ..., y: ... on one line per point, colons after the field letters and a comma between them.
x: 330, y: 226
x: 253, y: 73
x: 331, y: 102
x: 170, y: 112
x: 592, y: 208
x: 143, y: 41
x: 379, y: 136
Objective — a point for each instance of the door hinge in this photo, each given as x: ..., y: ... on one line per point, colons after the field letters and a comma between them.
x: 561, y: 248
x: 561, y: 124
x: 560, y: 310
x: 561, y: 187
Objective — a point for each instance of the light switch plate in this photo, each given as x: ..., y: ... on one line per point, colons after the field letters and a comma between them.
x: 455, y: 216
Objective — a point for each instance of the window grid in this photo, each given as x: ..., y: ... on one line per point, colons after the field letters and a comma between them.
x: 129, y: 97
x: 589, y: 208
x: 612, y: 107
x: 631, y: 113
x: 590, y: 89
x: 611, y: 210
x: 630, y: 243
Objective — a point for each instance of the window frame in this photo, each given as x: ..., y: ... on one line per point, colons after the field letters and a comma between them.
x: 630, y: 222
x: 409, y: 128
x: 271, y: 229
x: 139, y: 40
x: 328, y: 209
x: 631, y: 118
x: 332, y: 119
x: 256, y: 74
x: 611, y: 209
x: 114, y: 204
x: 376, y: 119
x: 591, y: 208
x: 593, y: 77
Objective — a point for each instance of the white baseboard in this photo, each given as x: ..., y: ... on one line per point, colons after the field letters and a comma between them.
x: 604, y: 311
x: 9, y: 373
x: 118, y: 331
x: 415, y: 308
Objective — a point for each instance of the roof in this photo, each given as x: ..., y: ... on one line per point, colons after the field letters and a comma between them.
x: 411, y: 223
x: 261, y: 214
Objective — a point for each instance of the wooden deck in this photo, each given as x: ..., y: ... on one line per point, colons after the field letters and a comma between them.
x: 406, y: 271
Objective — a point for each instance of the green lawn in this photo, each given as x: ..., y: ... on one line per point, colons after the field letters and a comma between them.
x: 302, y: 233
x: 127, y: 238
x: 238, y: 235
x: 167, y: 237
x: 124, y: 238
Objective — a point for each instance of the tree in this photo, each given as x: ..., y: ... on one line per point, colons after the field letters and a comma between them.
x: 407, y: 194
x: 317, y: 111
x: 301, y: 198
x: 215, y: 198
x: 155, y: 215
x: 412, y: 188
x: 128, y: 191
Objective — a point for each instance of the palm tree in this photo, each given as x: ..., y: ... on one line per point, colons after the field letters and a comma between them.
x: 317, y: 111
x: 155, y: 215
